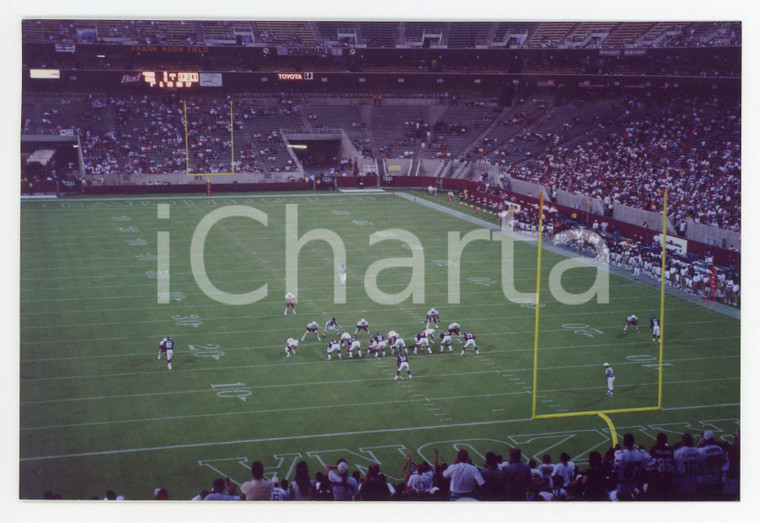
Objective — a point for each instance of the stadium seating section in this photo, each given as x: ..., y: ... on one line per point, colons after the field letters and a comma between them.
x: 533, y: 35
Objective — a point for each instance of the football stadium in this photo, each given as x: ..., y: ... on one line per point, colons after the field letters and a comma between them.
x: 335, y: 260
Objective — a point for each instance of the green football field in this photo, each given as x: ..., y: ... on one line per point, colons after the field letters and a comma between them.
x: 98, y: 411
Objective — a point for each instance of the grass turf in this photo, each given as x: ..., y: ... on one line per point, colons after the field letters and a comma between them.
x: 98, y: 411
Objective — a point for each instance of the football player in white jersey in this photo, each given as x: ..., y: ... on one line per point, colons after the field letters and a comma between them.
x: 445, y: 341
x: 342, y: 274
x: 654, y: 325
x: 344, y: 338
x: 379, y: 344
x: 312, y: 328
x: 331, y: 325
x: 392, y: 335
x: 398, y: 343
x: 290, y: 346
x: 362, y: 325
x: 332, y: 347
x: 631, y: 320
x: 610, y: 376
x: 372, y: 346
x: 636, y: 266
x: 402, y: 363
x: 290, y: 303
x: 454, y: 329
x: 166, y: 347
x: 429, y: 333
x: 629, y: 468
x: 421, y: 341
x: 686, y: 459
x: 469, y: 341
x: 353, y: 344
x: 432, y: 317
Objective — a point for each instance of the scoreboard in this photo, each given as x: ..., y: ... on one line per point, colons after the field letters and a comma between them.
x: 171, y: 79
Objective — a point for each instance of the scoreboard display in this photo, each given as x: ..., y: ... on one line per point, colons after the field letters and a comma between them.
x: 171, y: 79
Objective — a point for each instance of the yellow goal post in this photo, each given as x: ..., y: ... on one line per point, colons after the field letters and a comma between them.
x: 603, y: 413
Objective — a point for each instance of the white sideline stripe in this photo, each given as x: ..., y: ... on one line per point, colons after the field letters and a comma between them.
x: 309, y: 436
x: 204, y: 197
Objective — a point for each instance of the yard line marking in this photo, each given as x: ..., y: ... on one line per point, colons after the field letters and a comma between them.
x: 341, y: 406
x: 703, y: 406
x: 214, y: 369
x: 614, y: 328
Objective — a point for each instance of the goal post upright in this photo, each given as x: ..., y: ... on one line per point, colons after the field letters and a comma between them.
x: 603, y: 413
x: 538, y: 297
x: 662, y: 293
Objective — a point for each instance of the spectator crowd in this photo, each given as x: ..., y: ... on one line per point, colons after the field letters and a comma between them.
x: 690, y: 469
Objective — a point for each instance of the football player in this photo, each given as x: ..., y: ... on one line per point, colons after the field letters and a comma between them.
x: 331, y: 325
x: 454, y: 329
x: 469, y: 341
x: 445, y: 341
x: 421, y: 341
x: 166, y: 347
x: 429, y: 333
x: 353, y: 343
x: 631, y: 320
x: 392, y: 335
x: 380, y: 344
x: 654, y: 326
x: 362, y: 325
x: 610, y: 375
x: 290, y: 346
x: 332, y: 347
x: 312, y: 328
x: 402, y: 364
x: 372, y: 346
x: 342, y: 274
x: 432, y: 317
x: 344, y: 338
x: 636, y: 266
x: 290, y: 303
x: 398, y: 343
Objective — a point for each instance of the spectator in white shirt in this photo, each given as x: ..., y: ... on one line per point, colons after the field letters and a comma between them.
x: 465, y: 478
